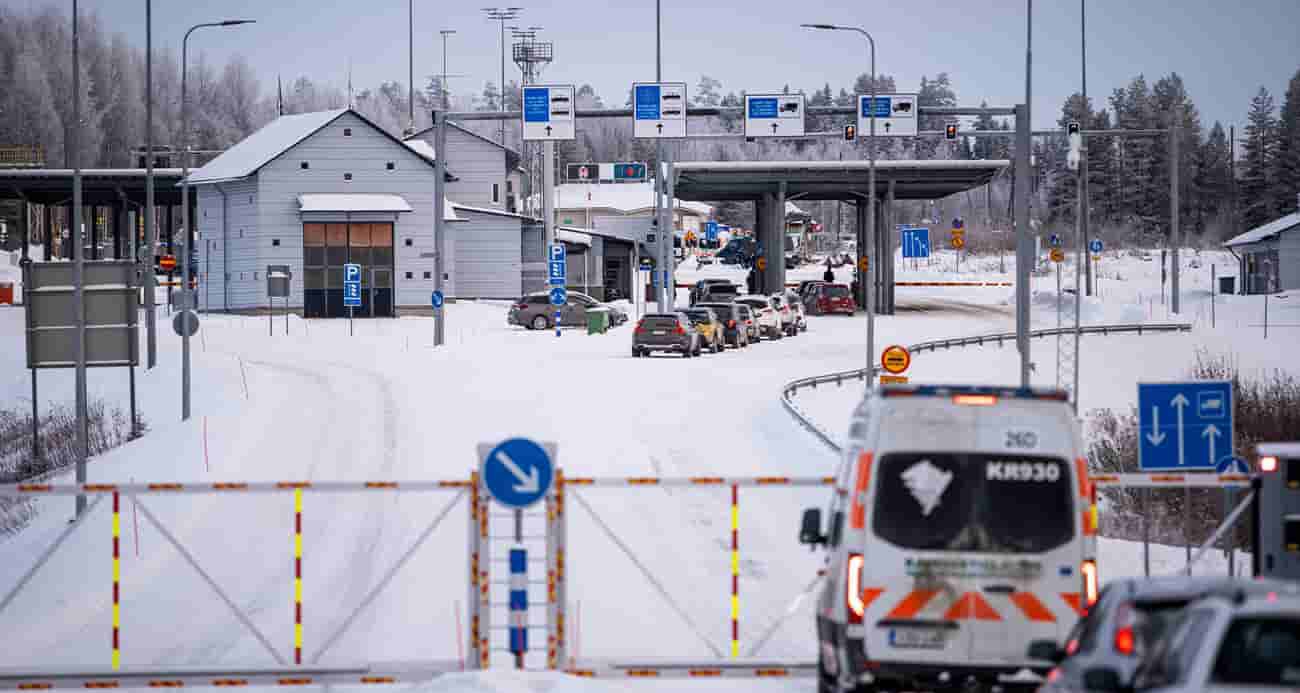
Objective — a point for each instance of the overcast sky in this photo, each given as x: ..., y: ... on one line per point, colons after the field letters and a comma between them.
x: 1224, y: 50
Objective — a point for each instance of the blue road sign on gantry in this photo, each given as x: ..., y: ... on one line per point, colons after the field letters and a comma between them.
x: 1184, y: 426
x: 518, y: 472
x: 916, y: 242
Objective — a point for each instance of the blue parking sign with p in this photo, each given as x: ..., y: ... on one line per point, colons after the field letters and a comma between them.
x: 351, y: 272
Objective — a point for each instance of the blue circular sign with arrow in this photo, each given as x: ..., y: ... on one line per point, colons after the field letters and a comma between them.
x: 1095, y: 246
x: 437, y: 299
x: 559, y: 295
x: 518, y: 472
x: 1054, y: 240
x: 1232, y: 465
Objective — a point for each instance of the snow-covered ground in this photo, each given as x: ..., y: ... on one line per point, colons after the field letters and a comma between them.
x: 320, y: 404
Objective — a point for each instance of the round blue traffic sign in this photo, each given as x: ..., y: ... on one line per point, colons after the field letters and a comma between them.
x: 958, y: 223
x: 518, y: 472
x: 559, y: 295
x: 1054, y: 240
x: 1095, y: 246
x: 437, y: 299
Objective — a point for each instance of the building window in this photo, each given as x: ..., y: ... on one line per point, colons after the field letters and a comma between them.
x: 275, y: 243
x: 391, y: 166
x: 241, y: 233
x: 410, y: 275
x: 255, y: 276
x: 496, y: 193
x: 510, y: 187
x: 347, y: 176
x: 241, y: 276
x: 250, y: 199
x: 305, y: 165
x: 409, y: 243
x: 347, y: 132
x: 428, y: 275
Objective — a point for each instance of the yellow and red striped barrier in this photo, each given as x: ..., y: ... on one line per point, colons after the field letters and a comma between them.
x: 117, y: 580
x: 297, y: 576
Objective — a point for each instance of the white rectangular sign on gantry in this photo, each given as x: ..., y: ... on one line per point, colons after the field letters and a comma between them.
x: 659, y: 110
x: 896, y: 115
x: 774, y: 115
x: 549, y: 111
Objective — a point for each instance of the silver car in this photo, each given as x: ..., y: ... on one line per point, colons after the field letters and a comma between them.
x: 535, y: 312
x: 672, y: 332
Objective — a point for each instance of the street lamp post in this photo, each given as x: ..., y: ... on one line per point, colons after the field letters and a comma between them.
x: 442, y: 85
x: 502, y: 14
x: 869, y: 279
x: 188, y: 234
x: 410, y: 67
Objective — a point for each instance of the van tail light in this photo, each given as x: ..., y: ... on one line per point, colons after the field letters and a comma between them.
x: 731, y: 323
x: 680, y: 330
x: 1090, y: 582
x: 975, y: 400
x: 1125, y: 638
x: 853, y: 589
x: 638, y: 329
x: 749, y: 322
x: 521, y: 306
x: 1268, y: 464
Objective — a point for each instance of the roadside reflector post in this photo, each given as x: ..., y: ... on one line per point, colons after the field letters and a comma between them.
x: 117, y: 580
x: 297, y: 576
x: 735, y: 571
x: 519, y: 604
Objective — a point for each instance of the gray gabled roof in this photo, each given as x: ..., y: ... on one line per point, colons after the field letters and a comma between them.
x: 1265, y: 232
x: 467, y: 131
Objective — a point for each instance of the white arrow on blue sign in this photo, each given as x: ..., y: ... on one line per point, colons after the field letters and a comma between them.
x: 916, y: 242
x: 518, y: 472
x: 559, y: 296
x: 1233, y: 465
x: 1095, y: 246
x: 1184, y: 425
x: 437, y: 299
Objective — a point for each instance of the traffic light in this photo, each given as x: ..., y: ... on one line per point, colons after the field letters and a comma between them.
x: 950, y: 132
x: 1076, y: 143
x: 850, y: 132
x: 1073, y: 128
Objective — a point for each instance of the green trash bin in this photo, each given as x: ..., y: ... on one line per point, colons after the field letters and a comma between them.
x: 597, y: 320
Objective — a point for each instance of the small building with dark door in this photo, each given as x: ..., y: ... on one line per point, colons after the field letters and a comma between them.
x: 317, y: 191
x: 1269, y: 256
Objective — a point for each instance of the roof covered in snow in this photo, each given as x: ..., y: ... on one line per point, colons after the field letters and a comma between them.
x: 571, y: 234
x: 1265, y: 232
x: 260, y: 148
x: 422, y: 148
x: 352, y: 202
x: 623, y: 197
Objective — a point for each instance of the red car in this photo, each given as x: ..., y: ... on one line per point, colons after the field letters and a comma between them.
x: 835, y: 298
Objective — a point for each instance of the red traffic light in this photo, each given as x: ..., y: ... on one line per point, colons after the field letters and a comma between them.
x: 850, y: 132
x: 950, y: 132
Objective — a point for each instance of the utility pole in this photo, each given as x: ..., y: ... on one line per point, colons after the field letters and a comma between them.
x: 1024, y: 245
x: 79, y: 266
x: 1084, y: 199
x: 442, y: 85
x: 410, y: 74
x: 151, y: 242
x: 502, y: 14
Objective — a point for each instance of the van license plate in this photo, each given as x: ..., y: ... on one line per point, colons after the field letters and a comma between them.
x: 918, y: 638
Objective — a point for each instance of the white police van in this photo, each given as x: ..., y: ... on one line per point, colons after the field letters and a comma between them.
x: 962, y: 528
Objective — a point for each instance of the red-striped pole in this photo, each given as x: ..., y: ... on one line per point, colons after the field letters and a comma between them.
x: 297, y: 576
x: 735, y: 571
x: 117, y: 576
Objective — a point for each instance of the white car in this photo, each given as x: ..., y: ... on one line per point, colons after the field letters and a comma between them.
x: 789, y: 314
x: 960, y: 530
x: 768, y: 319
x: 801, y: 315
x: 1222, y: 644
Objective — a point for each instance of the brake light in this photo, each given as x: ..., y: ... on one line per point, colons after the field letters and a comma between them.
x: 680, y: 330
x: 853, y: 589
x: 1125, y: 640
x: 1089, y: 571
x: 975, y: 400
x: 731, y: 323
x: 521, y: 306
x: 638, y: 327
x: 749, y: 322
x: 1268, y: 464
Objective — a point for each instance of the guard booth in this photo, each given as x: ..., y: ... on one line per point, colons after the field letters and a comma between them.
x: 1276, y: 534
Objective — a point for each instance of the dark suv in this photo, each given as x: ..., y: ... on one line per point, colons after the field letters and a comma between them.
x: 672, y: 332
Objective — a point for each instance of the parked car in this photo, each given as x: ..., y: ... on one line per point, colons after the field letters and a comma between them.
x: 704, y: 259
x: 701, y: 285
x: 1130, y: 617
x: 535, y: 312
x: 789, y: 318
x: 806, y: 285
x: 1221, y: 644
x: 734, y: 330
x: 737, y: 251
x: 767, y: 320
x: 718, y: 293
x: 826, y: 299
x: 709, y: 326
x: 797, y: 307
x: 745, y: 316
x: 671, y: 332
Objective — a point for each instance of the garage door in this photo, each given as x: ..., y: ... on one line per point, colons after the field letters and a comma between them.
x: 487, y: 261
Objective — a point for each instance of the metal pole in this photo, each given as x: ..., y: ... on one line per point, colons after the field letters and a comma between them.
x: 1085, y: 201
x: 665, y: 239
x: 1024, y: 246
x: 79, y: 268
x: 1146, y: 535
x: 150, y: 319
x: 1213, y: 296
x: 502, y: 96
x: 410, y: 73
x: 670, y: 283
x: 185, y: 222
x: 1175, y: 236
x: 871, y: 210
x: 439, y: 227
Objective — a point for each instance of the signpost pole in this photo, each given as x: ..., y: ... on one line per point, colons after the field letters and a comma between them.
x: 79, y: 278
x: 1024, y: 247
x: 439, y: 225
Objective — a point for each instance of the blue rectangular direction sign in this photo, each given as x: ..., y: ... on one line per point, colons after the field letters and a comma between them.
x: 537, y: 104
x: 762, y: 108
x: 883, y: 105
x: 711, y: 230
x: 916, y: 242
x: 556, y: 273
x: 647, y: 100
x: 1184, y: 426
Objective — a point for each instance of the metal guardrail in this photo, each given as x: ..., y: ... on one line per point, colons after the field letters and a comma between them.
x: 998, y: 338
x: 190, y: 677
